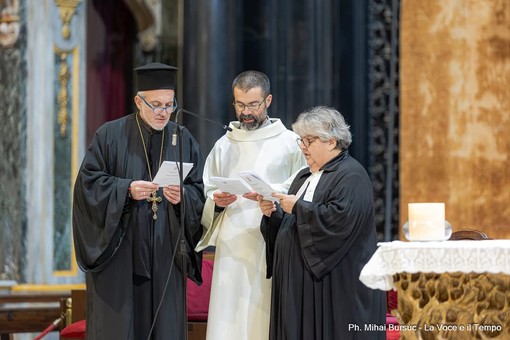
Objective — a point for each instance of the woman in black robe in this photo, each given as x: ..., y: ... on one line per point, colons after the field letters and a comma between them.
x: 126, y: 243
x: 319, y: 237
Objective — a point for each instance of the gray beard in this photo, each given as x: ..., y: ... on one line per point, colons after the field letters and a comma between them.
x: 251, y: 126
x: 254, y: 125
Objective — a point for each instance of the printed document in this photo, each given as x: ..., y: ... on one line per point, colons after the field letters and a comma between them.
x: 234, y: 186
x: 168, y: 173
x: 258, y: 184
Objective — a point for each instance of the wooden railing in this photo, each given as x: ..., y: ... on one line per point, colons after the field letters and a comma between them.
x: 22, y: 312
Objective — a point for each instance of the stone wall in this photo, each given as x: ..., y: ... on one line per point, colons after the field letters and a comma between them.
x: 455, y: 111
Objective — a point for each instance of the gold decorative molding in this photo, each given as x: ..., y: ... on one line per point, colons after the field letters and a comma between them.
x: 63, y: 96
x: 69, y: 311
x: 29, y: 287
x: 67, y: 8
x: 68, y: 100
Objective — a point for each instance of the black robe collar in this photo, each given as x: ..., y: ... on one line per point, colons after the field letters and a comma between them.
x: 334, y: 163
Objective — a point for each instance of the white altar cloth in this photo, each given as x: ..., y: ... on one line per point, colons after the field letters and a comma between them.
x: 478, y: 256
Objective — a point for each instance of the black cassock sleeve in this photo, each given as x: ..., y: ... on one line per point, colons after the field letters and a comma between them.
x: 99, y: 200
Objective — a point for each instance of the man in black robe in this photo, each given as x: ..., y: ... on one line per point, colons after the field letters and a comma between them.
x: 127, y: 229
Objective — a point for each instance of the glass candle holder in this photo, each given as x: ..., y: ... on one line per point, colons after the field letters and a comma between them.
x: 427, y: 230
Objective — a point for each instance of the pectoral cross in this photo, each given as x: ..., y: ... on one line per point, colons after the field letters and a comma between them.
x: 154, y: 199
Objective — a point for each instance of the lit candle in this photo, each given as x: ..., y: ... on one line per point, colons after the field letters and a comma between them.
x: 426, y: 221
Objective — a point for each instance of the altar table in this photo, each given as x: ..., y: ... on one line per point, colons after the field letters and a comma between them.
x: 446, y: 290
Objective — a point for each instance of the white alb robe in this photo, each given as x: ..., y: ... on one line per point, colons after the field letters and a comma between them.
x: 239, y: 308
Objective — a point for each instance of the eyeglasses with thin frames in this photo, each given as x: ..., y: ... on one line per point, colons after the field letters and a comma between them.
x: 305, y: 141
x: 252, y: 106
x: 159, y: 109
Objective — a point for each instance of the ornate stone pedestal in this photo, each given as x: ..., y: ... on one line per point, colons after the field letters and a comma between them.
x: 453, y: 305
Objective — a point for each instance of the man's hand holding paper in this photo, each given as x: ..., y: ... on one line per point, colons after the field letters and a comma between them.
x: 250, y: 185
x: 223, y: 199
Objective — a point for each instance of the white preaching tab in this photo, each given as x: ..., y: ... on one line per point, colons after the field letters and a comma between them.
x: 259, y: 185
x: 234, y: 186
x: 168, y: 173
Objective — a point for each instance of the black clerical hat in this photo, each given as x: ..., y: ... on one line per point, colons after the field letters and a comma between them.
x: 156, y: 76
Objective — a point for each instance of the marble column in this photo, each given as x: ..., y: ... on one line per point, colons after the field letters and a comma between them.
x: 42, y: 111
x: 13, y: 143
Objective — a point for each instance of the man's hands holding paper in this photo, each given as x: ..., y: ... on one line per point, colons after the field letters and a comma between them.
x: 140, y: 190
x: 223, y: 199
x: 250, y: 185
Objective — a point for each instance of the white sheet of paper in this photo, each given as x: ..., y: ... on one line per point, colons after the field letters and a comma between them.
x: 168, y: 173
x: 258, y: 185
x: 231, y: 185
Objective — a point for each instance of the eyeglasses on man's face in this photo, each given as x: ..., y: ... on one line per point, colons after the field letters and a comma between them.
x: 159, y: 109
x: 251, y: 106
x: 305, y: 141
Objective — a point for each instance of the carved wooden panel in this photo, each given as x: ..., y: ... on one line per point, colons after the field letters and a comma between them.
x: 453, y: 305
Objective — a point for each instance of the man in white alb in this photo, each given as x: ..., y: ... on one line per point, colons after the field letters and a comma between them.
x: 239, y: 308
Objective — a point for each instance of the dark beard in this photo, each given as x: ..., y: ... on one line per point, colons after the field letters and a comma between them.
x: 257, y: 121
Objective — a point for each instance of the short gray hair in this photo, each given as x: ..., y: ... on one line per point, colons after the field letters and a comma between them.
x: 325, y: 123
x: 251, y: 79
